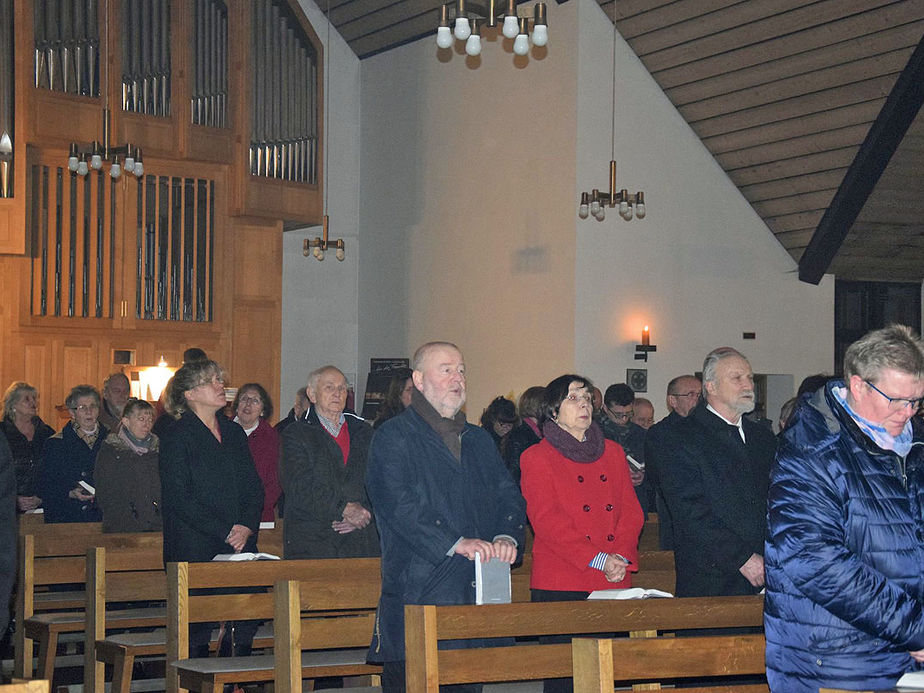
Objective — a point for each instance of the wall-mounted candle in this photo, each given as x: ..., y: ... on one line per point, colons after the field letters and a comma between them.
x: 646, y: 336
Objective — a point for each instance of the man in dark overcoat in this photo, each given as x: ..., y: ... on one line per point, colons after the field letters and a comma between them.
x: 440, y: 493
x: 715, y: 483
x: 322, y: 471
x: 7, y: 532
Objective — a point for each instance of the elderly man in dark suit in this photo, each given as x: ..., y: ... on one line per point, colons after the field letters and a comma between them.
x: 440, y: 493
x: 715, y: 480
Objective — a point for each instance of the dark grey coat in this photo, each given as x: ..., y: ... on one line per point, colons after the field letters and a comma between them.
x: 317, y: 487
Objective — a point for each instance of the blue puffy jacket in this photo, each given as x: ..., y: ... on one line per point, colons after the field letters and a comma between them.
x: 844, y: 555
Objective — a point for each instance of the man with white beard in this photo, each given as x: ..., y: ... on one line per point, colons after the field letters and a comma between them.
x: 715, y: 484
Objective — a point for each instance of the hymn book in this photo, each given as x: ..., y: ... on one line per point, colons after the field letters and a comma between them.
x: 492, y: 581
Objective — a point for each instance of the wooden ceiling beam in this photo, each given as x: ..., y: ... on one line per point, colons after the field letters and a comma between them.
x: 899, y: 111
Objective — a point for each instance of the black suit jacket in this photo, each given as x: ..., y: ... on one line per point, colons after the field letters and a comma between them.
x: 716, y: 486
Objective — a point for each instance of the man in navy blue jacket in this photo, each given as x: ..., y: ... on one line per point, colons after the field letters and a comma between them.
x: 845, y: 594
x: 440, y: 493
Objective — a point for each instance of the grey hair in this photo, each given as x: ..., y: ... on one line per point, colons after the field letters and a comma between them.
x: 15, y: 392
x: 114, y: 376
x: 424, y: 350
x: 712, y: 361
x: 896, y: 347
x: 316, y: 374
x: 79, y: 391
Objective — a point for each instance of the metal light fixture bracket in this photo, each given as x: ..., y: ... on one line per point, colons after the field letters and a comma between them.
x: 323, y: 243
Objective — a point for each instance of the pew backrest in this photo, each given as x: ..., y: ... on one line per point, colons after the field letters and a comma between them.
x: 598, y: 663
x: 427, y: 625
x: 325, y: 585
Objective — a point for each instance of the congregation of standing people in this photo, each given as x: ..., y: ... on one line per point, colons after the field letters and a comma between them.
x: 826, y: 516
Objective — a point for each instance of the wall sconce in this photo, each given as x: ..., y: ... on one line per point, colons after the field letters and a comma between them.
x: 466, y: 19
x: 646, y: 347
x: 83, y: 157
x: 320, y: 244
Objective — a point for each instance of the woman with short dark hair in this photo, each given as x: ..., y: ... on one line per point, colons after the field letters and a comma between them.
x: 68, y: 460
x: 580, y: 503
x: 397, y: 397
x: 26, y: 433
x: 252, y: 409
x: 126, y: 473
x: 579, y: 500
x: 499, y: 418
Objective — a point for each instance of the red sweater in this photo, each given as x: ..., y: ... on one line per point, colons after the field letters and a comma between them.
x: 264, y: 448
x: 578, y: 510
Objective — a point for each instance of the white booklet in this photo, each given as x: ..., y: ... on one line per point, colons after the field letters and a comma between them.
x: 629, y: 593
x: 246, y: 556
x: 492, y: 581
x: 912, y: 680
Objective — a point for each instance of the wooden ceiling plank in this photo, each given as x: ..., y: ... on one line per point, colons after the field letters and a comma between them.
x: 846, y: 116
x: 791, y: 222
x: 353, y: 11
x: 409, y: 30
x: 790, y: 168
x: 629, y: 8
x: 905, y: 36
x: 807, y: 202
x: 670, y: 74
x: 884, y: 137
x: 794, y: 108
x: 886, y: 66
x: 693, y: 18
x: 788, y: 149
x: 738, y: 25
x: 822, y: 180
x: 794, y: 22
x: 406, y: 15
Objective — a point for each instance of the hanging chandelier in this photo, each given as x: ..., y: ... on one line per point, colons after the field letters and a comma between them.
x: 467, y: 18
x: 595, y: 202
x: 124, y: 157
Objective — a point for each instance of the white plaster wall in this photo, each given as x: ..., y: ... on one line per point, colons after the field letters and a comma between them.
x: 467, y: 179
x: 702, y: 268
x: 319, y: 299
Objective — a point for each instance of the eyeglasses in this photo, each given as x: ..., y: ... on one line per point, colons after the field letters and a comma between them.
x: 214, y: 380
x: 86, y: 407
x: 585, y: 399
x: 898, y: 403
x: 251, y: 400
x: 691, y: 393
x: 620, y: 415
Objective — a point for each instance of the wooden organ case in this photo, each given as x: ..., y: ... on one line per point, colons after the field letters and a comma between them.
x: 211, y: 111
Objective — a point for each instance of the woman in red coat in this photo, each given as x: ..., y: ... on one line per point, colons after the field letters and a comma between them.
x: 579, y: 500
x: 580, y: 503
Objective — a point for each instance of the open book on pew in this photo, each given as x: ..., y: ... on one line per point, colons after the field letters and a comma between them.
x: 246, y: 556
x: 629, y: 593
x: 912, y: 681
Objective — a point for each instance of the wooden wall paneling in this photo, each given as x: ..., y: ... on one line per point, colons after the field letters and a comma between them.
x: 256, y: 333
x: 31, y: 362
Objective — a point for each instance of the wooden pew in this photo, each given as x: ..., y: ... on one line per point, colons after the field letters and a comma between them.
x: 427, y: 625
x: 300, y: 639
x: 330, y: 589
x: 34, y: 686
x: 54, y: 557
x: 598, y: 663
